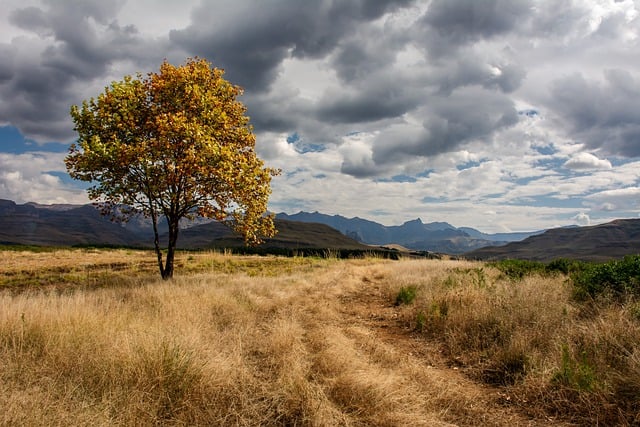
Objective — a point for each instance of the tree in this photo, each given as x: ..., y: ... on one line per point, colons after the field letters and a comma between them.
x: 173, y: 144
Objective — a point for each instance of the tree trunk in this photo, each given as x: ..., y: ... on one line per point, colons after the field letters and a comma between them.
x: 156, y: 242
x: 171, y: 248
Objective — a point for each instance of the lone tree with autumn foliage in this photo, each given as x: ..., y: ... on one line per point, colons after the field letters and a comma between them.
x: 173, y: 144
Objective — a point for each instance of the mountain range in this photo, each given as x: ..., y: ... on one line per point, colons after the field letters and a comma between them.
x: 70, y: 225
x: 36, y: 224
x: 83, y: 225
x: 416, y: 235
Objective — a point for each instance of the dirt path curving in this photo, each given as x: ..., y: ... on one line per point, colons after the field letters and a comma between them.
x: 371, y: 318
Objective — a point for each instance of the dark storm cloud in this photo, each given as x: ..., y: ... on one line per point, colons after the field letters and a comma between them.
x: 279, y: 112
x: 382, y: 99
x: 356, y: 60
x: 469, y: 70
x: 361, y: 168
x: 7, y: 64
x: 284, y: 112
x: 251, y: 40
x: 470, y: 19
x: 31, y: 19
x: 74, y: 42
x: 471, y: 114
x: 449, y: 24
x: 79, y: 51
x: 601, y: 114
x: 466, y: 58
x: 456, y: 36
x: 509, y: 79
x: 367, y: 51
x: 556, y: 19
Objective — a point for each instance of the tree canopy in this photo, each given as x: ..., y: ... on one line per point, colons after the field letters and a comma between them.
x: 173, y: 144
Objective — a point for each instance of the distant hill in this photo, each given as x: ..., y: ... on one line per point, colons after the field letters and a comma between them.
x: 435, y: 236
x: 594, y: 243
x: 68, y: 225
x: 500, y: 237
x: 32, y: 224
x: 291, y: 235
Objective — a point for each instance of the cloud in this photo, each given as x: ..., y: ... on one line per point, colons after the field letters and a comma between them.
x: 586, y: 161
x: 36, y: 177
x: 370, y: 48
x: 470, y: 69
x: 601, y: 114
x: 274, y: 147
x: 251, y: 42
x: 467, y: 115
x: 582, y: 219
x: 559, y: 20
x: 382, y: 99
x: 620, y: 199
x: 70, y: 45
x: 31, y: 19
x: 276, y: 112
x: 357, y: 158
x: 450, y: 24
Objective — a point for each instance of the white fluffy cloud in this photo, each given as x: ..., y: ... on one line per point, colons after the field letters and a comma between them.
x: 35, y: 177
x: 586, y: 161
x: 582, y: 219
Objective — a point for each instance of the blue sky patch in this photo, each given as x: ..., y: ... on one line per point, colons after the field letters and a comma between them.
x: 12, y: 141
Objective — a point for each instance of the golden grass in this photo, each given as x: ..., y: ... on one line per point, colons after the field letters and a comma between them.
x: 550, y: 354
x: 291, y: 341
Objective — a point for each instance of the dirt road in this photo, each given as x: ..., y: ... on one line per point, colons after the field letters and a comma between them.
x: 385, y: 339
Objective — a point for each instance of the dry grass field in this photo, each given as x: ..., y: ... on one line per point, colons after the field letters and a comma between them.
x: 94, y: 337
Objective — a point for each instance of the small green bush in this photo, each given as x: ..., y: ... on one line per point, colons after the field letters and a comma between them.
x: 479, y: 277
x: 421, y: 321
x: 439, y: 310
x: 406, y: 295
x: 576, y: 374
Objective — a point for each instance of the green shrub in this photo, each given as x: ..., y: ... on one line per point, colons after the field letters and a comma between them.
x: 406, y: 295
x: 517, y: 269
x: 439, y: 310
x: 479, y: 277
x: 576, y: 374
x: 421, y: 321
x: 620, y: 277
x: 564, y: 266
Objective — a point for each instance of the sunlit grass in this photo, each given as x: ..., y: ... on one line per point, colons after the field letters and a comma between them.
x: 552, y: 353
x: 94, y: 337
x: 69, y: 269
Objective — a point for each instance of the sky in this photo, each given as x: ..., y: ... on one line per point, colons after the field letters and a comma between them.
x: 502, y: 115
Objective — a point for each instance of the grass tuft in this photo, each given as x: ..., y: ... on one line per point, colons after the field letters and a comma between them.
x: 406, y: 295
